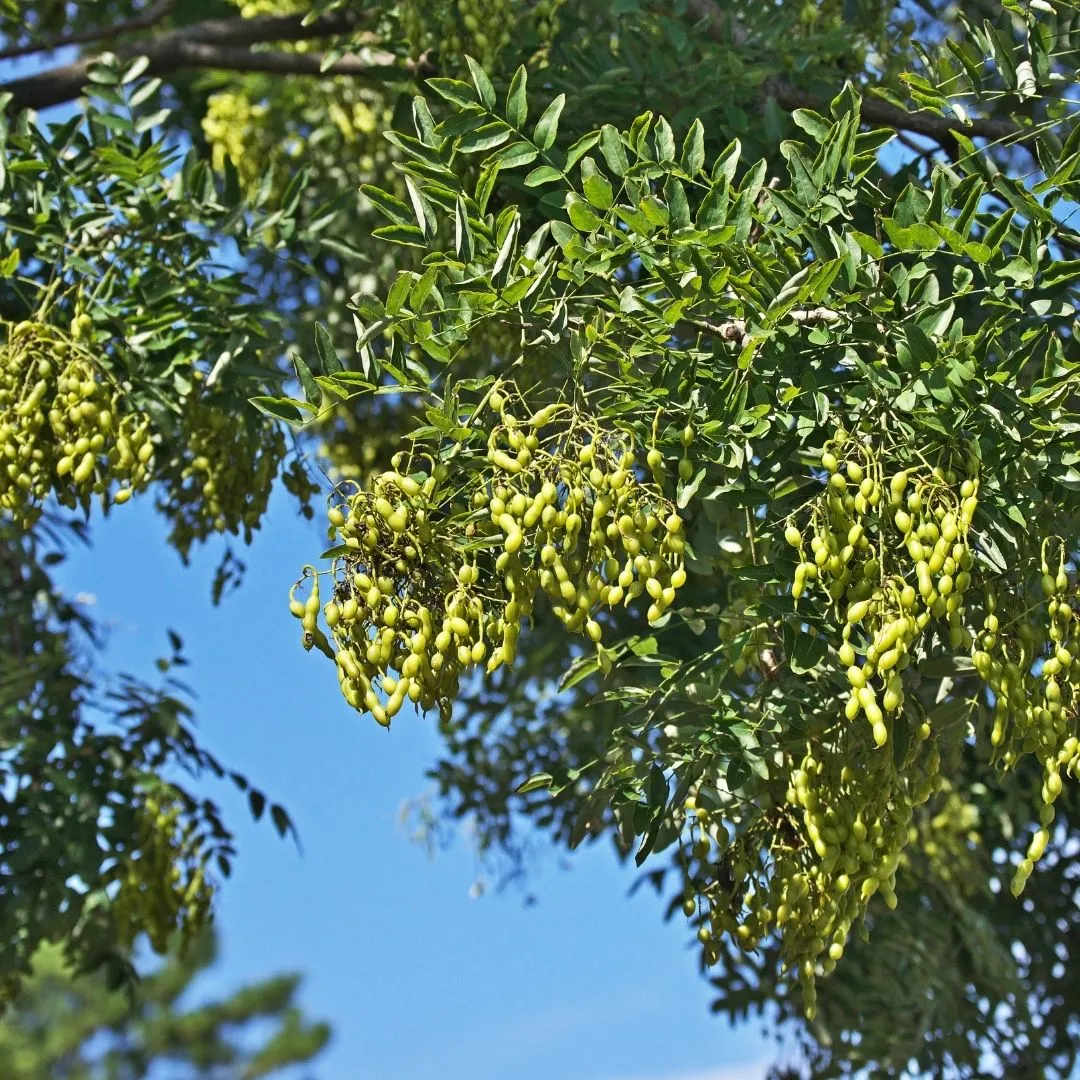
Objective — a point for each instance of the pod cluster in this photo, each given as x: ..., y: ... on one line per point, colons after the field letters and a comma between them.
x: 1027, y: 663
x: 165, y: 889
x: 806, y: 872
x: 454, y: 28
x: 430, y: 582
x: 890, y: 550
x: 886, y: 548
x: 223, y: 480
x: 65, y: 428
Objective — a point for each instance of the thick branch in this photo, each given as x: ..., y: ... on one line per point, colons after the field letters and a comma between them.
x: 196, y: 54
x: 172, y: 51
x: 102, y: 33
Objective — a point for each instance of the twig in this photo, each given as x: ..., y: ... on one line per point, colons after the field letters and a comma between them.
x: 734, y: 330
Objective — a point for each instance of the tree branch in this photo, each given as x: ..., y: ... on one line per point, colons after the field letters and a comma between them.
x: 102, y: 33
x: 174, y: 50
x: 729, y: 31
x: 196, y: 54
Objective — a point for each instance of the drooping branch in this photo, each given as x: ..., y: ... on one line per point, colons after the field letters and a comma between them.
x: 146, y: 21
x: 178, y: 49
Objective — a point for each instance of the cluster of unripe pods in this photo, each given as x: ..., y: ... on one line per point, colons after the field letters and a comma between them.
x: 430, y: 581
x: 1028, y: 665
x: 166, y: 888
x: 64, y: 428
x: 806, y: 871
x: 68, y: 430
x: 226, y: 477
x: 887, y: 550
x: 891, y: 553
x: 481, y: 28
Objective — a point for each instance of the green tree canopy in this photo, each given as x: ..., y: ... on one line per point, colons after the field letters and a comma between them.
x: 709, y: 471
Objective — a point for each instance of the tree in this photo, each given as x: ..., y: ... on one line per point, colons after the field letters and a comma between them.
x: 711, y: 470
x: 77, y: 1028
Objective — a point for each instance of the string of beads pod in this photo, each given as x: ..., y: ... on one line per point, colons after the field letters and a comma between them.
x: 806, y: 871
x: 891, y: 553
x: 886, y: 550
x: 223, y: 479
x: 426, y: 588
x: 65, y: 429
x: 164, y: 887
x: 454, y: 28
x: 1027, y: 663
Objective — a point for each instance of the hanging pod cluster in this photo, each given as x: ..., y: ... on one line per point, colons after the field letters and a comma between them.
x: 65, y: 428
x: 806, y: 871
x: 1027, y: 662
x: 887, y: 549
x: 890, y: 550
x: 225, y: 477
x: 166, y: 888
x: 479, y: 28
x: 431, y: 582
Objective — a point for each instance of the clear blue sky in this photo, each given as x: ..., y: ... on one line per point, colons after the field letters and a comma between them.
x: 420, y: 981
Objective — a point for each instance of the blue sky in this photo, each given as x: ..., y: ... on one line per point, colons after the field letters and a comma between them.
x: 420, y: 980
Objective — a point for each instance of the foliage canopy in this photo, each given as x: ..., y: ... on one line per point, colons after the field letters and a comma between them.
x: 711, y: 469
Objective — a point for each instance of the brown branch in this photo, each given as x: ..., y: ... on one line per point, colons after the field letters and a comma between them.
x: 196, y: 54
x: 101, y: 33
x: 729, y: 31
x: 172, y: 51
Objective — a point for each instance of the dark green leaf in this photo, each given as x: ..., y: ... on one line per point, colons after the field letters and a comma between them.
x: 547, y: 127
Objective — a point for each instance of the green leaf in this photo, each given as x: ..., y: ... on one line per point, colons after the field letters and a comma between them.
x: 814, y: 124
x: 329, y: 360
x: 664, y: 140
x: 547, y: 127
x: 307, y: 380
x: 485, y: 138
x: 279, y: 408
x: 387, y: 205
x: 692, y: 159
x: 407, y: 235
x: 675, y: 194
x: 506, y: 248
x: 423, y: 121
x: 542, y: 174
x: 422, y: 209
x: 516, y: 104
x: 535, y: 782
x: 516, y: 154
x: 596, y: 185
x: 481, y: 82
x: 463, y: 238
x: 454, y: 90
x: 611, y: 146
x: 580, y: 214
